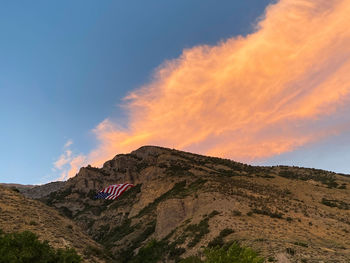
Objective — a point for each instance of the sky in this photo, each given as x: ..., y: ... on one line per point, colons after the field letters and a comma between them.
x: 259, y: 81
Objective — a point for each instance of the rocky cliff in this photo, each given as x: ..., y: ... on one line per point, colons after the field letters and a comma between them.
x: 183, y: 202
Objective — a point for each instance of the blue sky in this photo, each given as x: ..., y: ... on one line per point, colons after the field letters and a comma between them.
x: 65, y: 66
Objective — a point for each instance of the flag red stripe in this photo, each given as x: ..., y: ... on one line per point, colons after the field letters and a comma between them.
x: 116, y: 190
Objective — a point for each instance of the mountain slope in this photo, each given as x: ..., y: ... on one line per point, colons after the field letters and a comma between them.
x: 18, y: 213
x: 186, y: 201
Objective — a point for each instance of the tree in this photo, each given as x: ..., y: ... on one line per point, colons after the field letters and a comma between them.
x: 25, y: 247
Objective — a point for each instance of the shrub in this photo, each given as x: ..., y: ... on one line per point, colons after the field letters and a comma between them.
x: 237, y: 213
x: 201, y: 229
x: 25, y: 247
x: 290, y: 251
x: 302, y: 244
x: 219, y: 240
x: 192, y: 259
x: 336, y: 203
x: 14, y: 189
x: 151, y: 253
x: 216, y: 242
x: 265, y: 211
x: 233, y: 254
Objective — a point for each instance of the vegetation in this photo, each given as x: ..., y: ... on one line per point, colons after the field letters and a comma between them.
x: 219, y: 240
x: 25, y: 247
x: 265, y: 211
x: 118, y: 232
x: 301, y: 244
x: 13, y: 188
x: 336, y: 203
x: 155, y: 251
x: 150, y: 253
x: 323, y: 177
x: 197, y: 231
x: 231, y: 254
x: 127, y: 254
x: 58, y: 196
x: 178, y: 169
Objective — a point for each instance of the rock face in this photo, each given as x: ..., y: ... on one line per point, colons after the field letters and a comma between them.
x: 170, y: 214
x: 186, y: 201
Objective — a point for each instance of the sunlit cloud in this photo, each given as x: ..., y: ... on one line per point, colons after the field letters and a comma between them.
x: 246, y: 98
x: 75, y: 163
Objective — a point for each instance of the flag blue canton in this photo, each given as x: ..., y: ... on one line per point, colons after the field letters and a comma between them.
x: 102, y: 195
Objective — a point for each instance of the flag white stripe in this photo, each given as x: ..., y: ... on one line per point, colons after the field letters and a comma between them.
x: 116, y: 190
x: 121, y: 189
x: 113, y: 189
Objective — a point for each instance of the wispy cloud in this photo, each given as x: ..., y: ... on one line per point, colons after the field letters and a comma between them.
x: 68, y: 163
x: 64, y: 159
x: 68, y: 143
x: 246, y: 98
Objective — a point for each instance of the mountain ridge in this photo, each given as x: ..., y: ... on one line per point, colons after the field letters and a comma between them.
x: 187, y: 201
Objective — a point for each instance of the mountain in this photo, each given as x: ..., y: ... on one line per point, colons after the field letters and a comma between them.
x: 183, y: 202
x: 40, y: 191
x: 18, y: 213
x: 35, y: 191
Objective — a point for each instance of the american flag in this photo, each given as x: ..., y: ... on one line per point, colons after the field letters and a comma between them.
x: 113, y: 191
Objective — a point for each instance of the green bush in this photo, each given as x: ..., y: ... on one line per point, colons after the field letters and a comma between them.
x: 219, y: 240
x: 192, y: 259
x: 233, y: 254
x: 25, y: 247
x: 151, y: 253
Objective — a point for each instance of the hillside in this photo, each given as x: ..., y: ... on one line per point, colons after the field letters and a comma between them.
x: 20, y: 187
x: 18, y: 213
x: 186, y: 201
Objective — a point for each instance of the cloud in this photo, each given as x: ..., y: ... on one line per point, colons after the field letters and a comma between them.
x: 246, y: 98
x: 64, y: 159
x: 68, y: 163
x: 75, y: 163
x: 68, y: 143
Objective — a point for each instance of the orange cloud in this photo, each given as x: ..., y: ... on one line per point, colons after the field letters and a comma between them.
x: 245, y: 98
